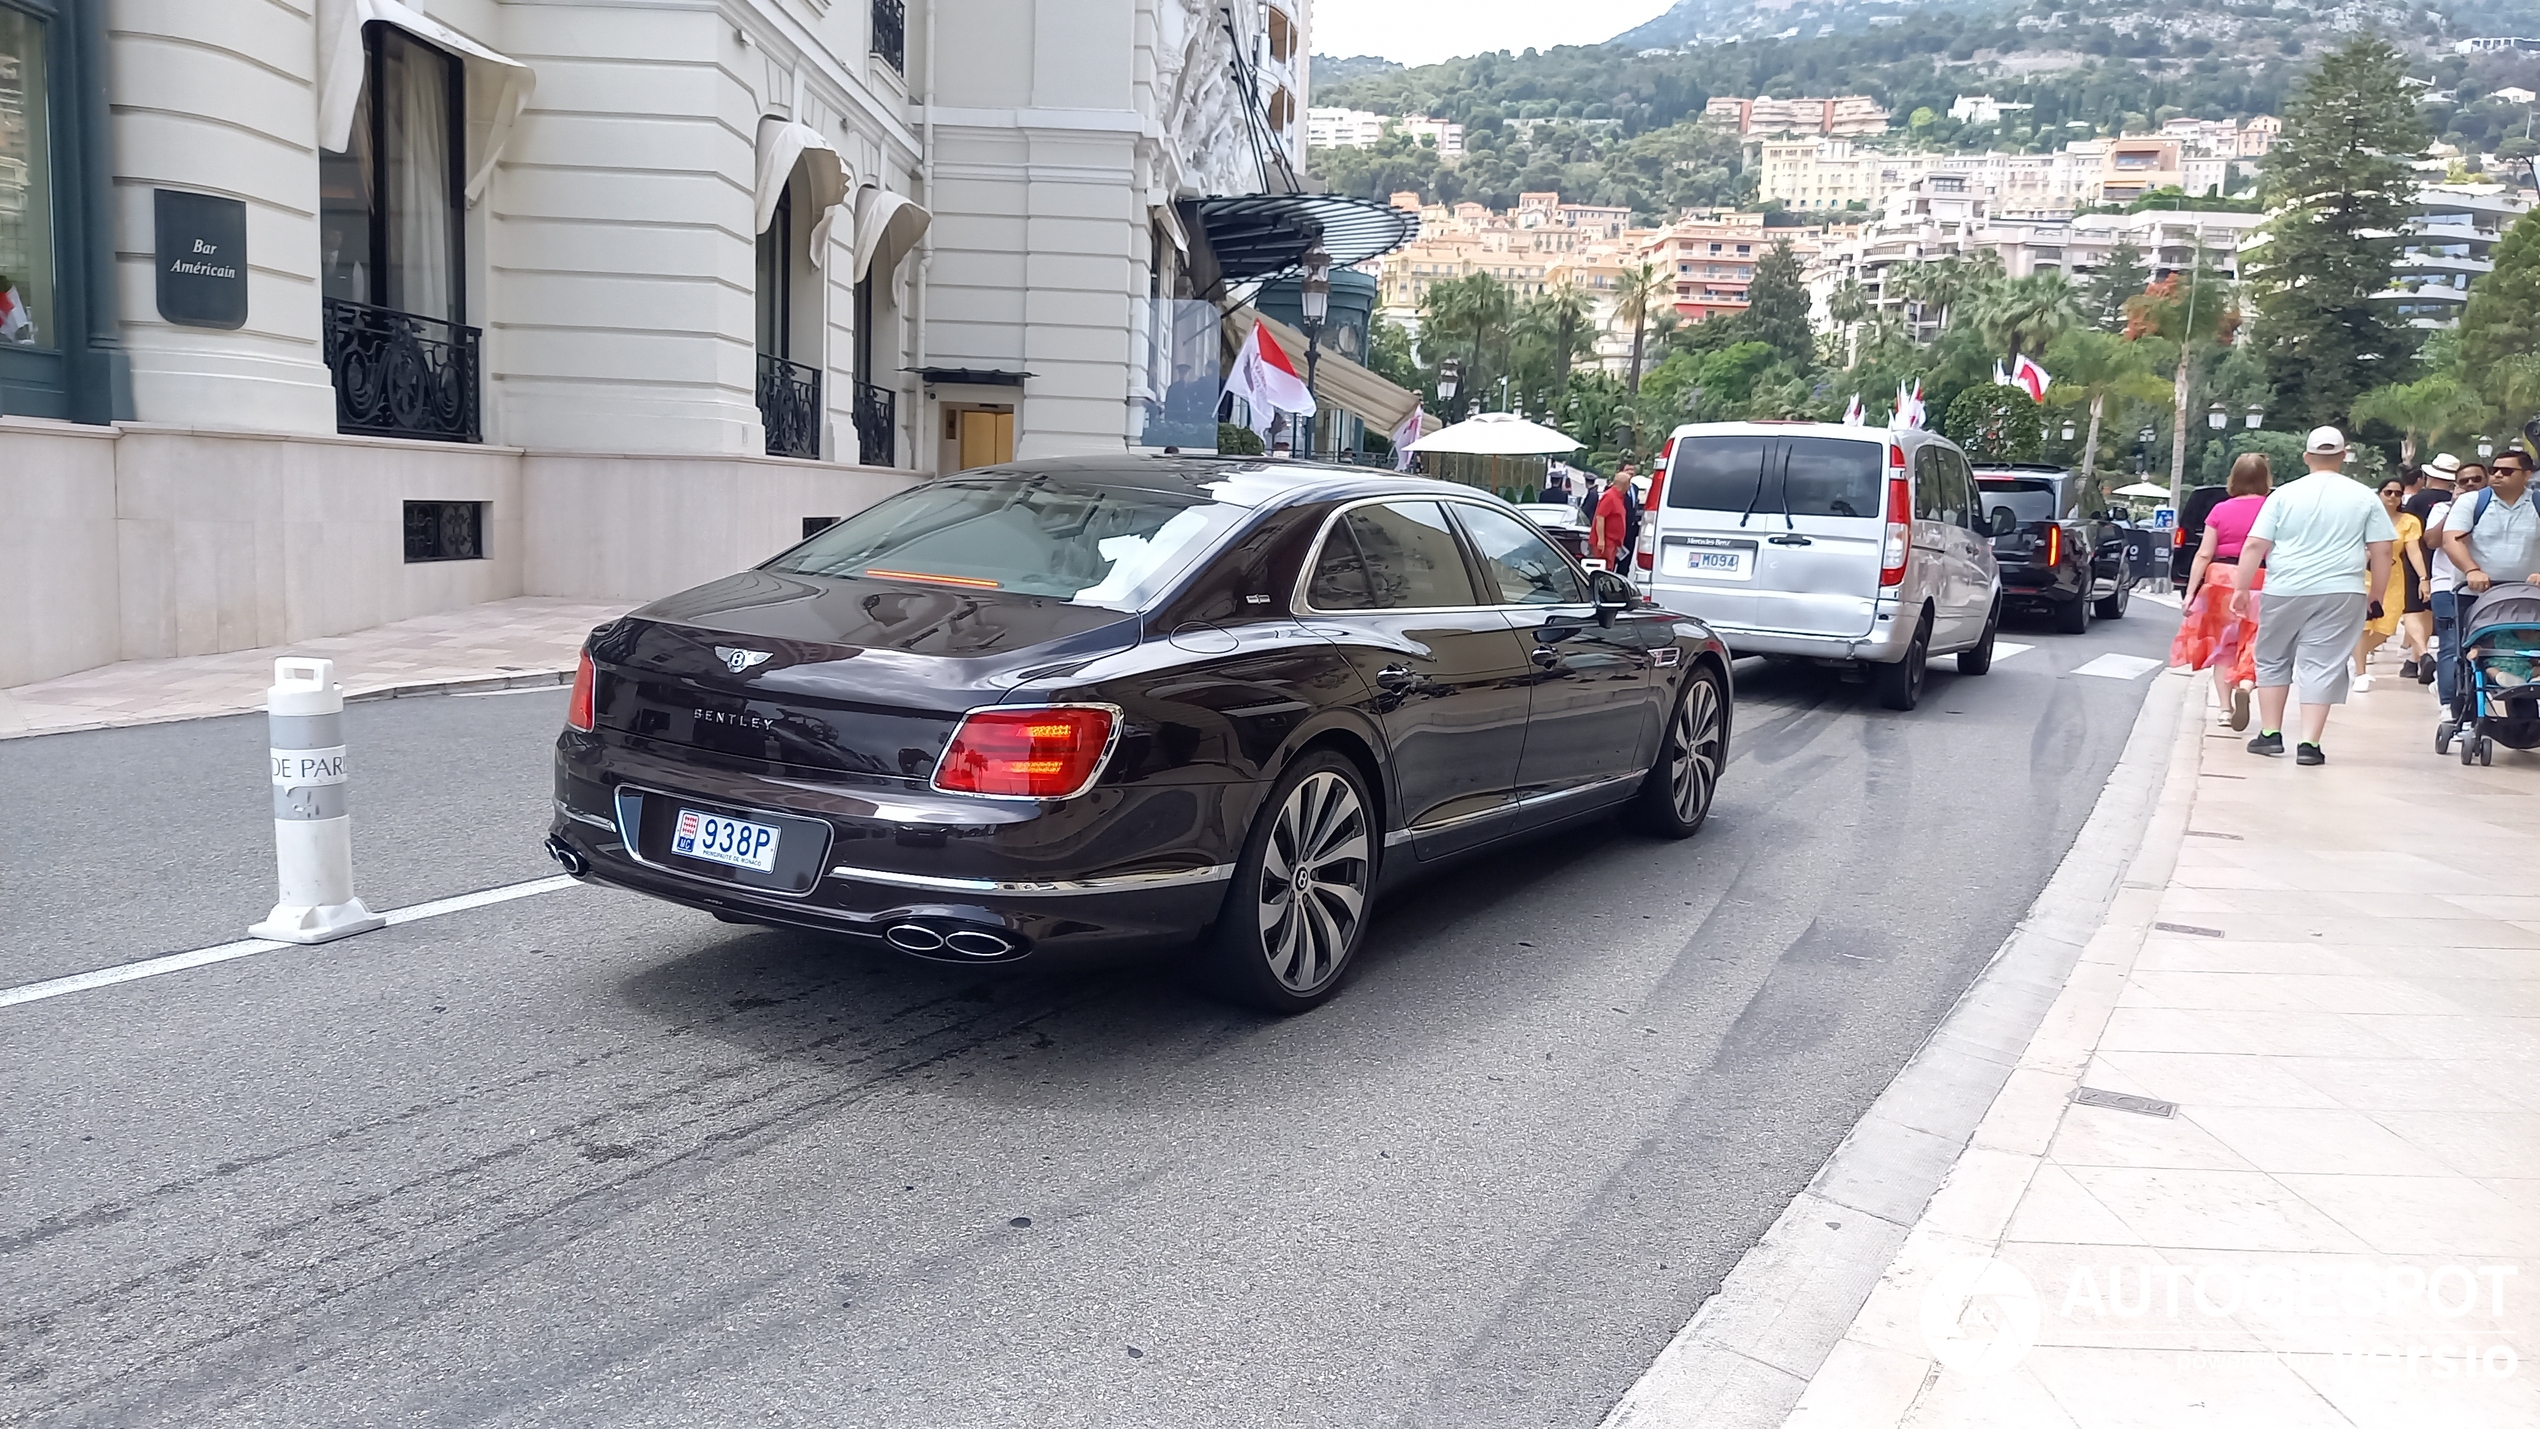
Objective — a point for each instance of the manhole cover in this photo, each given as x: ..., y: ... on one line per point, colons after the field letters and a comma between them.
x: 2123, y: 1101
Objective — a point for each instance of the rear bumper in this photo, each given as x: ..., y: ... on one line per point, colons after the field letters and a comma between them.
x: 909, y: 873
x: 1885, y: 644
x: 2028, y: 586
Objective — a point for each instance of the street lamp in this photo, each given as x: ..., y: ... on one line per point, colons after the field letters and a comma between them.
x: 1450, y: 375
x: 2216, y: 417
x: 2486, y: 448
x: 1314, y: 307
x: 2257, y: 416
x: 2068, y: 429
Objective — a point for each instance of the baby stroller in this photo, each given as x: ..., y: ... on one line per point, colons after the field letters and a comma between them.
x: 2497, y: 698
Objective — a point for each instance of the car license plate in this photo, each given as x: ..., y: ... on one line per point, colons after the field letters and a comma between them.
x: 1710, y: 559
x: 734, y: 843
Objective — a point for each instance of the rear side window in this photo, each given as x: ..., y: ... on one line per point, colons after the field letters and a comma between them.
x: 1410, y: 555
x: 1715, y: 473
x: 1930, y: 475
x: 1525, y: 567
x: 1830, y: 476
x: 1340, y: 574
x: 2029, y: 499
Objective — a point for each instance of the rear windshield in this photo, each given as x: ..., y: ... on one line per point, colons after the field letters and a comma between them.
x: 1804, y: 476
x: 1109, y: 546
x: 2028, y: 498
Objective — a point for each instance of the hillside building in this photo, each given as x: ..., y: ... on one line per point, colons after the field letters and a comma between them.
x: 1845, y: 115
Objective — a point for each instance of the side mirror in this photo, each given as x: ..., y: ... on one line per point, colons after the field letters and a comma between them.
x: 1613, y: 594
x: 2003, y: 523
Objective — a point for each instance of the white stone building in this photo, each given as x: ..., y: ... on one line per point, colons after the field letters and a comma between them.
x: 334, y: 312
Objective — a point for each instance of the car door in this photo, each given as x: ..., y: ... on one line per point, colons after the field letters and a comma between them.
x: 1591, y: 714
x: 1975, y: 543
x: 1935, y: 552
x: 1390, y: 584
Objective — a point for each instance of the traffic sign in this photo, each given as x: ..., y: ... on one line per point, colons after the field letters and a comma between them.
x: 2164, y: 518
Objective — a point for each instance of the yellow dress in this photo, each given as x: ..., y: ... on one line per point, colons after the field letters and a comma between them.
x: 2394, y: 600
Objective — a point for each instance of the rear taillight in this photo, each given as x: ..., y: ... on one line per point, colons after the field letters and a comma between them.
x: 1900, y: 535
x: 2178, y: 536
x: 1053, y: 753
x: 578, y: 713
x: 2054, y: 545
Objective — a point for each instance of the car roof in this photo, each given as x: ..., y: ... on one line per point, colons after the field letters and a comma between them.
x: 1266, y: 481
x: 1808, y: 429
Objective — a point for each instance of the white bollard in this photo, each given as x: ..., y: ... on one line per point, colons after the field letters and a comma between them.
x: 312, y: 822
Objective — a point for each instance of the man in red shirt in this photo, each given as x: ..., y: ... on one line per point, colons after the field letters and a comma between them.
x: 1613, y: 520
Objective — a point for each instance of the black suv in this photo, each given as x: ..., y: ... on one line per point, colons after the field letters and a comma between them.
x: 2201, y: 501
x: 2057, y: 556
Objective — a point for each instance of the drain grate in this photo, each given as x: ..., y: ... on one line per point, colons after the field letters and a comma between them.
x: 2189, y: 928
x: 2209, y: 834
x: 2122, y: 1101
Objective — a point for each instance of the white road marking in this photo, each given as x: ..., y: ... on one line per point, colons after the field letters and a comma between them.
x: 2113, y: 666
x: 2163, y: 596
x: 2005, y: 649
x: 204, y: 957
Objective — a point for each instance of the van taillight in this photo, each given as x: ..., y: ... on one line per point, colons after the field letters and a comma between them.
x: 1900, y: 510
x: 1895, y: 456
x: 578, y: 712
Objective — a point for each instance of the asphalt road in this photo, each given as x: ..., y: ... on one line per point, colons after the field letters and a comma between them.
x: 585, y: 1158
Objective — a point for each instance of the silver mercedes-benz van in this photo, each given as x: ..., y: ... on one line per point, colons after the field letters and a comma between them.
x: 1835, y: 543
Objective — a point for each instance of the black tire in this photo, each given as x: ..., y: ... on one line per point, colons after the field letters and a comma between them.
x: 1675, y: 796
x: 2443, y: 732
x: 1285, y: 949
x: 2469, y: 751
x: 1901, y: 684
x: 2073, y: 616
x: 2113, y: 608
x: 2486, y: 751
x: 1980, y: 659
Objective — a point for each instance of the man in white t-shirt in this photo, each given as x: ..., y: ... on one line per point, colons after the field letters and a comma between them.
x: 2324, y: 541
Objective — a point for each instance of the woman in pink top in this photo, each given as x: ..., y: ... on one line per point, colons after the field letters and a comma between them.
x: 2209, y: 636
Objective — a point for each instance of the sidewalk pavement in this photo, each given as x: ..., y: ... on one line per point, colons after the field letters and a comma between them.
x: 531, y: 640
x: 2332, y: 977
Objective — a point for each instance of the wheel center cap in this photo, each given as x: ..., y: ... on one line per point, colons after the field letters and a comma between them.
x: 1301, y: 878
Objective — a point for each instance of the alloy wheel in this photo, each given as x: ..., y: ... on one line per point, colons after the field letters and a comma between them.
x: 1314, y: 875
x: 1695, y: 743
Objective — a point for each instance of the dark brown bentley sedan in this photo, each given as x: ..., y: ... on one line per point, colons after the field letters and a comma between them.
x: 1135, y: 700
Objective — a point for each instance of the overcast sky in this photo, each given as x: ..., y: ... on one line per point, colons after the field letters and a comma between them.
x: 1426, y: 31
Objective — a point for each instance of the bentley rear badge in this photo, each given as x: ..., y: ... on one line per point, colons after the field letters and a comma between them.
x: 743, y: 660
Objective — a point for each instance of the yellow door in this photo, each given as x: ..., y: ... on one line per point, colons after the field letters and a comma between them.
x: 987, y: 438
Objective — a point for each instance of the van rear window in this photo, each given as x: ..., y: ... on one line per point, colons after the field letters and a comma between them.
x: 1805, y: 476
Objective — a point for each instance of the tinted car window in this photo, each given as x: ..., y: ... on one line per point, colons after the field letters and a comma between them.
x: 1930, y: 475
x: 1715, y: 473
x: 1831, y: 476
x: 1525, y: 567
x: 1340, y: 574
x: 1957, y: 490
x: 1411, y: 556
x: 2029, y: 498
x: 1111, y: 546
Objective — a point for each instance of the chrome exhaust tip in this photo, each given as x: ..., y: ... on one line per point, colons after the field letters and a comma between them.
x: 567, y: 856
x: 979, y: 943
x: 914, y: 938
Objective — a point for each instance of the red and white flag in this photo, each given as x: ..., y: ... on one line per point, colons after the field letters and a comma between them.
x: 14, y: 324
x: 1403, y: 437
x: 1267, y: 381
x: 2030, y: 378
x: 1853, y: 414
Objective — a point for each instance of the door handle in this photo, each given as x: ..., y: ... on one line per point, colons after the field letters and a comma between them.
x: 1396, y: 677
x: 1789, y: 540
x: 1547, y: 657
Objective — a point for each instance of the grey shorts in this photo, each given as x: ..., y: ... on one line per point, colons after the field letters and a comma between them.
x: 2307, y: 641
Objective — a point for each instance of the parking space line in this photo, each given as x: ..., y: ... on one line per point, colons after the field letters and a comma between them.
x: 2005, y: 649
x: 2113, y: 666
x: 249, y: 947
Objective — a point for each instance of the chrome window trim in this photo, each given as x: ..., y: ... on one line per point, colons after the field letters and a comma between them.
x: 1305, y: 572
x: 627, y: 837
x: 1039, y: 888
x: 1101, y: 763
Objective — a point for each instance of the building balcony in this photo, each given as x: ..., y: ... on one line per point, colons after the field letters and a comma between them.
x: 876, y: 425
x: 890, y: 34
x: 402, y: 374
x: 789, y: 407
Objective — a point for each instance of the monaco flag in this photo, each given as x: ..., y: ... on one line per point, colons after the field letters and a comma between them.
x: 1265, y: 378
x: 1853, y: 415
x: 2030, y: 378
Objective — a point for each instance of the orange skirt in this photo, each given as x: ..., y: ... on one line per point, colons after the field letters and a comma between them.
x: 2208, y: 635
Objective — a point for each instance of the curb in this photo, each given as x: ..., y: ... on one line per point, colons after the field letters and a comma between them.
x: 468, y: 684
x: 1776, y: 1330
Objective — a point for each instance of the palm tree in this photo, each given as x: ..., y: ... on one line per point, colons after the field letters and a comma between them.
x: 2431, y: 407
x: 1848, y: 304
x: 1560, y: 319
x: 2092, y: 366
x: 2202, y: 310
x: 1466, y: 313
x: 1647, y: 287
x: 2025, y: 314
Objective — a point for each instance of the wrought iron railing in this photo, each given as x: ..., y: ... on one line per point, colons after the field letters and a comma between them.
x: 403, y: 374
x: 876, y: 425
x: 890, y: 33
x: 789, y: 406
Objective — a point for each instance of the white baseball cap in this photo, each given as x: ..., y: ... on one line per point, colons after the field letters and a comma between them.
x: 2325, y: 441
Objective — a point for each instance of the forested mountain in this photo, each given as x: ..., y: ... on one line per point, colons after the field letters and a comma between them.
x: 1610, y: 123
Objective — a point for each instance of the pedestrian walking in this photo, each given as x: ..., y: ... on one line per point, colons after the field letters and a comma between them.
x: 2324, y: 542
x: 2404, y: 592
x: 1612, y: 528
x: 2443, y: 581
x: 2210, y: 636
x: 2494, y: 536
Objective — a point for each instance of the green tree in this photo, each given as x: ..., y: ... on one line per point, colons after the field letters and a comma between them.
x: 1647, y: 286
x: 2095, y: 368
x: 2120, y: 278
x: 2197, y: 314
x: 2500, y: 326
x: 1848, y: 304
x: 1777, y: 306
x: 1995, y: 424
x: 1468, y: 318
x: 2424, y: 411
x: 2338, y: 176
x: 2025, y: 314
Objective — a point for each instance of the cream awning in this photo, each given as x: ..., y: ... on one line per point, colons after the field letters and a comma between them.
x: 887, y: 226
x: 787, y: 147
x: 497, y: 85
x: 1346, y: 384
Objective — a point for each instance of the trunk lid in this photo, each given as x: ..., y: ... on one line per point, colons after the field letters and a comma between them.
x: 842, y: 675
x: 1805, y: 513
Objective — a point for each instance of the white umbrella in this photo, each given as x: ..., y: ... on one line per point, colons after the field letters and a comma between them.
x: 2144, y: 488
x: 1496, y: 434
